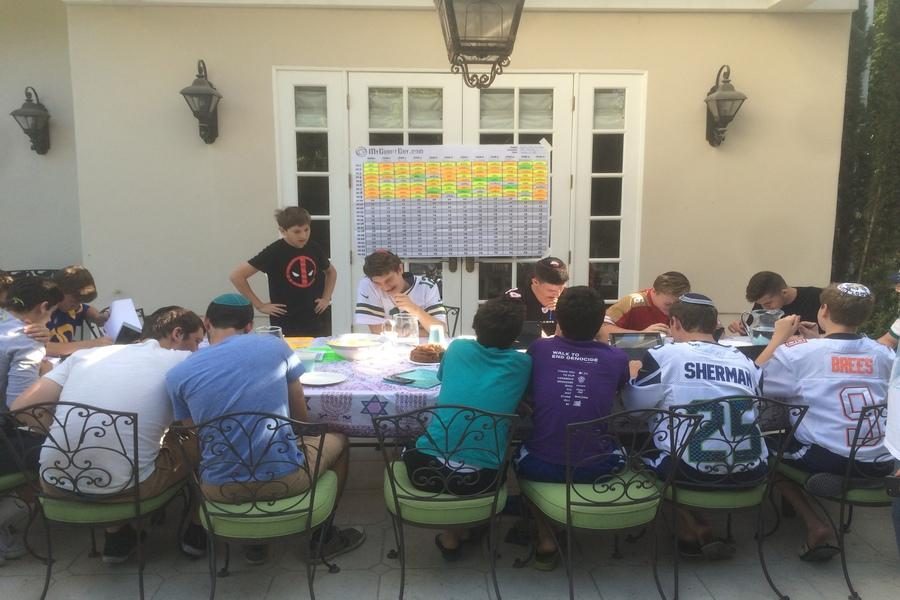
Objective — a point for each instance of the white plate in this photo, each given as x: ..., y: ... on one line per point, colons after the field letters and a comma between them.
x: 423, y: 364
x: 322, y: 378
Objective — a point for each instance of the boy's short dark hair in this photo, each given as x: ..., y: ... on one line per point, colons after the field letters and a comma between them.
x: 77, y: 281
x: 551, y: 270
x: 381, y: 262
x: 25, y: 293
x: 498, y: 322
x: 292, y: 216
x: 579, y: 312
x: 672, y: 283
x: 764, y: 283
x: 849, y: 304
x: 163, y: 321
x: 230, y: 311
x: 699, y: 316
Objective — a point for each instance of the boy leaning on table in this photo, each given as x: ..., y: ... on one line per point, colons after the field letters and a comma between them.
x: 834, y: 375
x: 301, y: 278
x: 241, y: 373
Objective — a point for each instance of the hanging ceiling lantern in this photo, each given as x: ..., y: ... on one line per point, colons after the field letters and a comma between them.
x: 479, y: 32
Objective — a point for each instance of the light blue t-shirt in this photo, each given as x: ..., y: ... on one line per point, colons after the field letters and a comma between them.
x: 20, y: 361
x: 241, y: 373
x: 485, y: 378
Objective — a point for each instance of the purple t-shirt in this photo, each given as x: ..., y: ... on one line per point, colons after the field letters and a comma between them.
x: 570, y: 382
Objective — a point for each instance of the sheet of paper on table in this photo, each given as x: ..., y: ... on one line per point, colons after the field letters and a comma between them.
x: 121, y: 314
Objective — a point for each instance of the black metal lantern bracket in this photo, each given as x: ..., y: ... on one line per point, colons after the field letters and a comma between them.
x: 722, y: 104
x: 203, y: 99
x: 34, y: 119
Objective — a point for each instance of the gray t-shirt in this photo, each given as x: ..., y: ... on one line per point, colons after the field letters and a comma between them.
x: 20, y: 360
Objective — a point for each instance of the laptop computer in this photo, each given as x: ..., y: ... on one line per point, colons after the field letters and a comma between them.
x: 635, y: 344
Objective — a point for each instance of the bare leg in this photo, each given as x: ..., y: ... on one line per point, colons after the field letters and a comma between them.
x: 546, y: 544
x: 817, y: 531
x: 692, y: 527
x: 451, y: 538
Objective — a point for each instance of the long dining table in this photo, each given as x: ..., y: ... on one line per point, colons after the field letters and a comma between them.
x: 348, y: 406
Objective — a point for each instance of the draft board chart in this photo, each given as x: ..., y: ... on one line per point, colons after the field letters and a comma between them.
x: 436, y: 201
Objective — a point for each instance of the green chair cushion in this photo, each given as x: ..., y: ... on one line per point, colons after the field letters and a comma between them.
x: 621, y: 511
x: 84, y: 513
x: 862, y: 496
x: 258, y: 522
x: 11, y: 481
x: 436, y: 509
x: 719, y: 499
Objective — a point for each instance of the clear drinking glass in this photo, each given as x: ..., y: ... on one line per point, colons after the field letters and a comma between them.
x: 271, y: 330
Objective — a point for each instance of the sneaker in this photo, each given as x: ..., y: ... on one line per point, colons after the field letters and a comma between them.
x: 12, y: 544
x: 120, y: 545
x: 825, y: 485
x: 256, y: 554
x: 337, y: 542
x: 193, y: 542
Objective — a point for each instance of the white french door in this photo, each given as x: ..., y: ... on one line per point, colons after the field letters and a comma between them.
x: 521, y: 109
x: 592, y: 122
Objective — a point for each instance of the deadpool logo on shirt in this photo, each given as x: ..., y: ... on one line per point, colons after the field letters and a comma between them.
x: 301, y: 272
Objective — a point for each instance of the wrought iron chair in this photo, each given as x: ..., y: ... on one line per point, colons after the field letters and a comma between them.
x: 628, y: 497
x: 461, y: 438
x: 270, y: 492
x: 728, y: 441
x: 859, y: 486
x: 452, y: 312
x: 87, y: 457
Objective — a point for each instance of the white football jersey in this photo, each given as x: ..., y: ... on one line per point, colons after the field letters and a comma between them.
x: 684, y: 372
x: 373, y: 305
x: 835, y: 377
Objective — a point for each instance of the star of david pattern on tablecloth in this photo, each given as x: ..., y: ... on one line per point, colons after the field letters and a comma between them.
x: 374, y: 407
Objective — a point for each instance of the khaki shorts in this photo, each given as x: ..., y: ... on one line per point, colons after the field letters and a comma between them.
x: 293, y: 484
x: 169, y: 469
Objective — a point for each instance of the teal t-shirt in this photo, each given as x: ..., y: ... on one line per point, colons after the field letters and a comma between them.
x: 488, y: 379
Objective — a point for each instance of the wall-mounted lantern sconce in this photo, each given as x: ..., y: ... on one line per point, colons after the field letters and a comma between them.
x: 722, y: 104
x: 203, y: 99
x: 480, y: 32
x: 34, y: 119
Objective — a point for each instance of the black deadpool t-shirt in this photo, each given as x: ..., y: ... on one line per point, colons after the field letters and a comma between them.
x: 296, y: 279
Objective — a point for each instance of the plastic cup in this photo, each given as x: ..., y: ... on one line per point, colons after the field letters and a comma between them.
x: 308, y: 360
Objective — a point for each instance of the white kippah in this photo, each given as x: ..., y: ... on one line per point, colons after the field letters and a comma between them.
x: 854, y: 289
x: 695, y: 298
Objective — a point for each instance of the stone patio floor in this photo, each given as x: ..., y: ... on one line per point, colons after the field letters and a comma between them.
x: 367, y: 573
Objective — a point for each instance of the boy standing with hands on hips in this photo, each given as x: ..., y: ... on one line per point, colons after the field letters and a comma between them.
x: 301, y: 278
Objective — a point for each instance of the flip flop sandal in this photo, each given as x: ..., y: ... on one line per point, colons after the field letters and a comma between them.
x: 717, y: 550
x: 820, y: 553
x: 448, y: 554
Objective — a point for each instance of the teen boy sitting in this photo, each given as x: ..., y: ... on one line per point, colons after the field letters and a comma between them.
x: 77, y: 285
x: 769, y: 291
x: 121, y: 378
x: 647, y: 310
x: 254, y: 373
x: 543, y: 291
x: 835, y: 375
x: 301, y: 279
x: 573, y: 378
x: 484, y: 373
x: 386, y: 291
x: 695, y: 367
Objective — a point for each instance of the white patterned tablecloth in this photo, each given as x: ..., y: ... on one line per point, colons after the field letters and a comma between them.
x: 348, y: 406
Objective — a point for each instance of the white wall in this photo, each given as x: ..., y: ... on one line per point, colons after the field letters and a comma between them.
x: 39, y: 215
x: 166, y: 216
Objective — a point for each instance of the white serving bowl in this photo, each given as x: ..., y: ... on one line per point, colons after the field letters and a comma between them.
x: 356, y: 346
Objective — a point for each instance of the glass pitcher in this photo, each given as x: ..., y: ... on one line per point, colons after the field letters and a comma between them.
x: 406, y: 327
x: 760, y: 324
